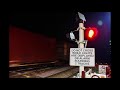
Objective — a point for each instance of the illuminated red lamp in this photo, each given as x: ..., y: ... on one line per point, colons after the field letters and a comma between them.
x: 91, y: 33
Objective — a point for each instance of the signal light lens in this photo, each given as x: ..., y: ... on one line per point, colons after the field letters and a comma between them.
x: 91, y: 33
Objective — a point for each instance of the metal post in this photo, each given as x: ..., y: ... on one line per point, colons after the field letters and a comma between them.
x: 81, y: 45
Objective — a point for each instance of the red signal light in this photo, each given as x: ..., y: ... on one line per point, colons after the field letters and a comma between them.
x: 91, y: 33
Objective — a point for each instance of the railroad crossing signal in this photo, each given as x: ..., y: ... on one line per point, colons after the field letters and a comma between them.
x: 91, y: 33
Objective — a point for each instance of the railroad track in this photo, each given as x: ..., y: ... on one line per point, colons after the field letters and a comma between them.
x: 69, y: 73
x: 27, y: 73
x: 57, y: 72
x: 74, y: 74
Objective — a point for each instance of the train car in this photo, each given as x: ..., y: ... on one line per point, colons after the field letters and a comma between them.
x: 29, y: 47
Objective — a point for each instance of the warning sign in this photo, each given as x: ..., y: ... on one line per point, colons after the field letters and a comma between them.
x: 102, y: 69
x: 82, y: 57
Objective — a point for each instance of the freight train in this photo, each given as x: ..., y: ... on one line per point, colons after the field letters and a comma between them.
x: 30, y: 48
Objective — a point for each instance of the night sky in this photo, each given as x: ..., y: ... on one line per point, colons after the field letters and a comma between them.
x: 57, y: 24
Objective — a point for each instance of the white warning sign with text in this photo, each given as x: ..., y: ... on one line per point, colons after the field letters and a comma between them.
x: 82, y: 57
